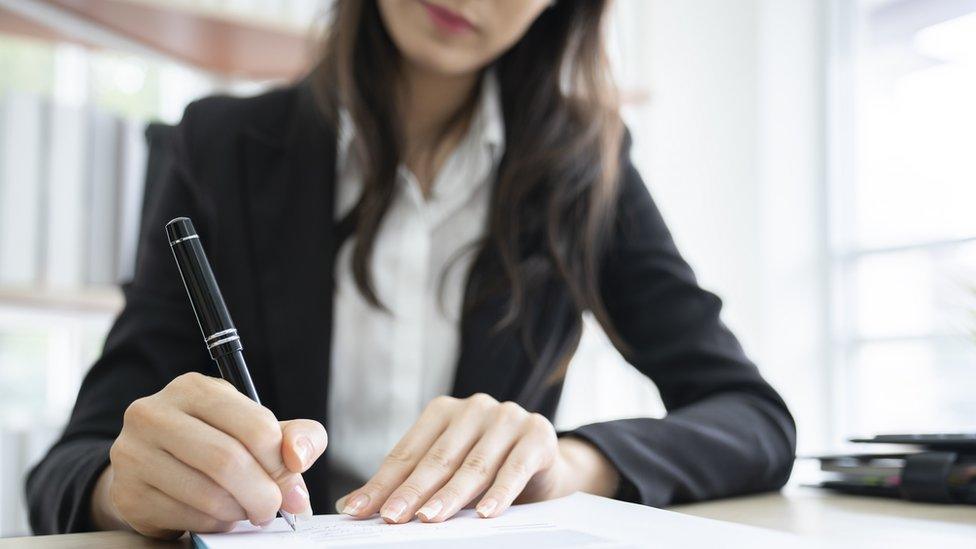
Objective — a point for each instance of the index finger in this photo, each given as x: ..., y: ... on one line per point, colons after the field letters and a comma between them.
x: 218, y: 404
x: 223, y: 459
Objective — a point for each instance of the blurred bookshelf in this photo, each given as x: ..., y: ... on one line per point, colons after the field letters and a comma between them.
x: 95, y: 300
x: 79, y: 82
x: 242, y: 38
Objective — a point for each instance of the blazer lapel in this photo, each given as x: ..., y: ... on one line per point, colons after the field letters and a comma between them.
x: 290, y: 182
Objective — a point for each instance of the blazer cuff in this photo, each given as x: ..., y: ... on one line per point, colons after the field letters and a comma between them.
x: 71, y: 487
x: 97, y: 462
x: 602, y: 436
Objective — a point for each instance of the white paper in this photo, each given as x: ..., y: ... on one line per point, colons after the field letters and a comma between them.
x: 580, y: 520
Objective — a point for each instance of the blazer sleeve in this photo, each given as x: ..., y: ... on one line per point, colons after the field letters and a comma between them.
x: 727, y: 432
x: 153, y: 340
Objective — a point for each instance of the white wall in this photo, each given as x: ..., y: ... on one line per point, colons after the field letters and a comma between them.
x: 794, y: 297
x: 731, y: 146
x: 696, y: 143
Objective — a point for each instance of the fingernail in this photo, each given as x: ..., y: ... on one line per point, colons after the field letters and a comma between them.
x: 356, y: 505
x: 296, y: 500
x: 393, y: 509
x: 430, y: 511
x: 486, y: 506
x: 340, y: 504
x: 303, y: 447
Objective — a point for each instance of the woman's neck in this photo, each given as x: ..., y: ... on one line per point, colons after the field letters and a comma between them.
x: 429, y: 104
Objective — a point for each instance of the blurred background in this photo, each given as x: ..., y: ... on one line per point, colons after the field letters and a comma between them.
x: 815, y: 159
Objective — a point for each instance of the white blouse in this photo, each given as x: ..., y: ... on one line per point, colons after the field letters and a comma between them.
x: 386, y: 366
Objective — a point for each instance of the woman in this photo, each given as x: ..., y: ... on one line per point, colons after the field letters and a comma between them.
x: 428, y: 214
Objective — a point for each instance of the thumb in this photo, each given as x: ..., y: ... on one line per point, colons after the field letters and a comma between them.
x: 302, y: 442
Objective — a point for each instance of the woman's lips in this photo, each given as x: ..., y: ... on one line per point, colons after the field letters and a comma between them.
x: 446, y: 19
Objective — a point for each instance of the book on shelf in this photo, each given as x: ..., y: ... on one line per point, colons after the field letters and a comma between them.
x: 132, y: 182
x: 72, y: 182
x: 21, y: 173
x: 65, y: 194
x: 103, y: 197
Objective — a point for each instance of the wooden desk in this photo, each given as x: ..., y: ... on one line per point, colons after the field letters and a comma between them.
x: 103, y: 540
x: 849, y: 520
x: 831, y: 518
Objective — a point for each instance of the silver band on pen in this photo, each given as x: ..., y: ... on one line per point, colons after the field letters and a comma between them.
x: 221, y: 334
x: 178, y: 240
x: 222, y: 341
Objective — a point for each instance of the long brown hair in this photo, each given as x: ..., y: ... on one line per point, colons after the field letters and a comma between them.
x: 557, y: 185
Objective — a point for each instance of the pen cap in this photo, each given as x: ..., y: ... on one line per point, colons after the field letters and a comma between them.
x: 201, y: 287
x: 178, y: 228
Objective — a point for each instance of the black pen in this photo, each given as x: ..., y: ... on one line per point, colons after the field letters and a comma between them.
x: 218, y: 330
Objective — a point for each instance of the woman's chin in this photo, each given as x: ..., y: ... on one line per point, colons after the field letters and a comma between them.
x: 442, y: 61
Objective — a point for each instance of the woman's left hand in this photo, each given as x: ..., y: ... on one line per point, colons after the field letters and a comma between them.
x: 460, y: 449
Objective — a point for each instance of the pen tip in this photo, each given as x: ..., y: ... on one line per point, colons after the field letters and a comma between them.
x: 290, y: 519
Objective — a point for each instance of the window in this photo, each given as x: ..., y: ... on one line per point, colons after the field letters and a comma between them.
x: 904, y: 216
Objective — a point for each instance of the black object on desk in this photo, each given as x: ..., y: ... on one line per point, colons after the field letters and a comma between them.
x: 962, y: 442
x: 939, y: 468
x: 219, y: 333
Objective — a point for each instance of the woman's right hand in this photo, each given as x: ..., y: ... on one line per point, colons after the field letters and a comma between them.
x: 198, y: 456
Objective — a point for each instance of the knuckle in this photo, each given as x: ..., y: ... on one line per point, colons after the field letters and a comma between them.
x: 441, y: 402
x: 228, y: 462
x: 220, y: 383
x: 120, y: 452
x: 264, y: 502
x: 220, y: 505
x: 450, y: 492
x: 539, y: 422
x: 441, y: 459
x: 281, y: 475
x: 399, y: 455
x: 482, y: 400
x: 212, y: 506
x: 139, y: 412
x: 268, y: 507
x: 267, y: 419
x: 267, y: 430
x: 410, y: 490
x: 374, y: 487
x: 509, y: 411
x: 477, y: 465
x: 502, y: 492
x: 520, y: 468
x: 188, y: 381
x: 192, y: 387
x: 115, y: 452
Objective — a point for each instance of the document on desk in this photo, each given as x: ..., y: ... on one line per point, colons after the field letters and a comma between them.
x: 580, y: 520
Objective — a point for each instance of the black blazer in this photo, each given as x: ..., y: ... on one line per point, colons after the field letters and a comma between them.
x: 257, y: 176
